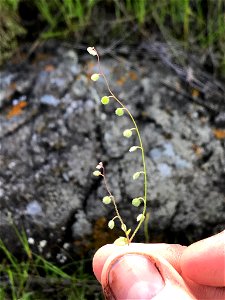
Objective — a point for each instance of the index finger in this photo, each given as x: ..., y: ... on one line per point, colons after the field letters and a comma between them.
x: 204, y: 261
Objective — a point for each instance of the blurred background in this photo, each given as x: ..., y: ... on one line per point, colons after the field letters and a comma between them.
x: 166, y: 60
x: 195, y: 24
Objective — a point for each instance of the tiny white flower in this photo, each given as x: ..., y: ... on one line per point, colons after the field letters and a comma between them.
x: 61, y: 258
x: 99, y: 166
x: 66, y: 245
x: 92, y: 51
x: 43, y: 243
x: 30, y: 241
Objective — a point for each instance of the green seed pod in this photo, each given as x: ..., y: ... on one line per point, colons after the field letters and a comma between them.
x: 140, y: 217
x: 136, y: 202
x: 107, y: 200
x: 111, y: 224
x: 105, y: 100
x: 121, y: 241
x: 119, y: 112
x: 127, y: 133
x: 136, y: 175
x: 97, y: 173
x: 128, y: 231
x: 95, y: 77
x: 124, y: 227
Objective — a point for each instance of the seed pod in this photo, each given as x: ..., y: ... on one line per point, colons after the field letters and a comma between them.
x: 121, y: 241
x: 95, y: 77
x: 97, y: 173
x: 111, y: 224
x: 106, y: 200
x: 124, y: 227
x: 119, y: 112
x: 136, y: 202
x: 105, y: 100
x: 127, y: 133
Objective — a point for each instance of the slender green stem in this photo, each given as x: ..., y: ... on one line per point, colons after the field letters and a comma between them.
x: 142, y: 154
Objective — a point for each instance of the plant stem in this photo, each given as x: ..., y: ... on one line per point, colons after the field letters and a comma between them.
x: 114, y: 202
x: 142, y: 153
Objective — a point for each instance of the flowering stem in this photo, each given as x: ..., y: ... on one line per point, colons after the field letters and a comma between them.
x: 113, y: 201
x: 142, y: 154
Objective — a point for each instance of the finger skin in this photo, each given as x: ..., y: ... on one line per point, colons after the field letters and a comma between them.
x: 167, y: 258
x: 172, y: 253
x: 175, y: 287
x: 204, y: 261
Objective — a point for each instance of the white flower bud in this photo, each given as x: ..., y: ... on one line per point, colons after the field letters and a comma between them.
x: 140, y: 217
x: 133, y: 148
x: 92, y: 51
x: 136, y: 175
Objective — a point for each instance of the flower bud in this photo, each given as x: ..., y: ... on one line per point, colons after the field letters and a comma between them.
x: 140, y: 217
x: 92, y: 51
x: 133, y: 148
x: 136, y: 175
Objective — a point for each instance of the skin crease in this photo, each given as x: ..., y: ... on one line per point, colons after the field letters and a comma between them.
x: 194, y: 272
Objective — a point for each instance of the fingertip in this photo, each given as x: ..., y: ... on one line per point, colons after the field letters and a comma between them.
x: 204, y: 262
x: 100, y: 258
x: 172, y: 253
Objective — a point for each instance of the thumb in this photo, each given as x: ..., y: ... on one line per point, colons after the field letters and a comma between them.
x: 131, y: 274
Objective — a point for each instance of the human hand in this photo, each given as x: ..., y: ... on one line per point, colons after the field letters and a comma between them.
x: 163, y: 271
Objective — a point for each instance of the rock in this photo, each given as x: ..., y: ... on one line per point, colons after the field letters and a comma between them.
x: 49, y: 100
x: 49, y: 151
x: 220, y: 120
